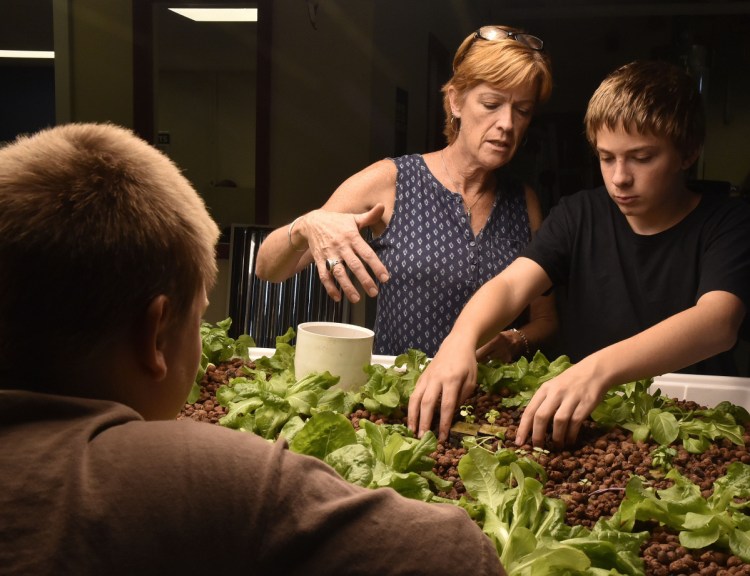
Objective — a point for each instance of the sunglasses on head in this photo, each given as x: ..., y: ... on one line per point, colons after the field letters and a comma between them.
x: 498, y: 33
x: 491, y: 33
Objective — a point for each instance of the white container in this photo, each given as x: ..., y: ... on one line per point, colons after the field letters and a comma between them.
x: 705, y: 390
x: 341, y: 349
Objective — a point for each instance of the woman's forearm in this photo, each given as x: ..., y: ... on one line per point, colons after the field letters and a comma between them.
x: 542, y: 324
x: 282, y: 253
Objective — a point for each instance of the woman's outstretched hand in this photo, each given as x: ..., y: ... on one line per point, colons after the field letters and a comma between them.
x: 335, y: 242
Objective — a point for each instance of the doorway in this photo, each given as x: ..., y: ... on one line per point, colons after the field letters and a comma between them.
x: 201, y: 94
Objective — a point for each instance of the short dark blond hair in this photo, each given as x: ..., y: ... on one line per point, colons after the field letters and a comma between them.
x: 649, y: 97
x: 94, y: 223
x: 506, y: 64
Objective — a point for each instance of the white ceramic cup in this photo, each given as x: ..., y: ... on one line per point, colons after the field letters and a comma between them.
x: 341, y: 349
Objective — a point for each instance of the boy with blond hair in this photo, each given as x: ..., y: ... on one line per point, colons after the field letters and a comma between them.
x: 107, y: 256
x: 657, y: 274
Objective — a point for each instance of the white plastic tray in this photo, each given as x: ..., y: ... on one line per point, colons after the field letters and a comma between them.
x: 256, y: 353
x: 705, y: 390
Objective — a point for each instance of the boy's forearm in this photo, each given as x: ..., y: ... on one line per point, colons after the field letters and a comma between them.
x: 704, y: 330
x: 489, y: 311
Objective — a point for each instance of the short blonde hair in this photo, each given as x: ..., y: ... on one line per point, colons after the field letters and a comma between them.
x: 94, y: 223
x: 649, y: 97
x: 505, y: 63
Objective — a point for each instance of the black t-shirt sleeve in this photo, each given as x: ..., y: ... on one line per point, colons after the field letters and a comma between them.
x: 725, y: 263
x: 551, y: 247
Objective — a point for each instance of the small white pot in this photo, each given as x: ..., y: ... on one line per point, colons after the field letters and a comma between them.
x: 341, y: 349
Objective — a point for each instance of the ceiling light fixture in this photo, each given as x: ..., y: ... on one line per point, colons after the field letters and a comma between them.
x: 218, y: 14
x: 27, y: 54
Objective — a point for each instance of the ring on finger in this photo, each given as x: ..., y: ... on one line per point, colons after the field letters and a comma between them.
x: 331, y: 262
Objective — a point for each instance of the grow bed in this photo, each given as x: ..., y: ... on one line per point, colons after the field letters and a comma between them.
x: 670, y: 487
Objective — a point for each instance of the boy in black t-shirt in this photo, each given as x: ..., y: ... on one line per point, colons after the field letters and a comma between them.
x: 658, y: 275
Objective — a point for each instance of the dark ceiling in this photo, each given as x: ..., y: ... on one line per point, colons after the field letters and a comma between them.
x: 28, y: 24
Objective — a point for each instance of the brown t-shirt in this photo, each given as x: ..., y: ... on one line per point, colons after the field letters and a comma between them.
x: 88, y: 487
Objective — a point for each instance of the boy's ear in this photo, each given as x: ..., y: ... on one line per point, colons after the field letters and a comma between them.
x: 153, y: 337
x: 690, y: 159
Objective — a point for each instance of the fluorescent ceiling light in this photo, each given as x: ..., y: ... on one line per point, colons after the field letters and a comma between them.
x: 27, y: 54
x: 219, y: 14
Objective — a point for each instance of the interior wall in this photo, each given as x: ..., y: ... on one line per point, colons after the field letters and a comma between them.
x: 94, y: 61
x: 320, y: 86
x: 726, y: 155
x: 205, y: 99
x: 27, y: 100
x: 205, y: 127
x: 399, y: 64
x: 207, y: 118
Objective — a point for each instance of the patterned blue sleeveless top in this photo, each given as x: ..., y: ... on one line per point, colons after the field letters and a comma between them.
x: 434, y: 260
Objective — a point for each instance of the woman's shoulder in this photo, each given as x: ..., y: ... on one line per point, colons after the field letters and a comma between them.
x: 373, y: 184
x: 381, y: 172
x: 409, y: 162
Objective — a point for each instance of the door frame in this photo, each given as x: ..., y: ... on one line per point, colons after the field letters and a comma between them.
x: 143, y: 86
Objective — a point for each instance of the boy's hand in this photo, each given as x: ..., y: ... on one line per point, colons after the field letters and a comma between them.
x: 449, y: 379
x: 566, y: 400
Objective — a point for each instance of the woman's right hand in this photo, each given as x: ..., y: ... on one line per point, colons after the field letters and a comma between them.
x: 336, y: 236
x: 502, y: 347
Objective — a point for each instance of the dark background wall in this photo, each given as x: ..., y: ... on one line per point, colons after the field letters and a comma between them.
x: 27, y: 99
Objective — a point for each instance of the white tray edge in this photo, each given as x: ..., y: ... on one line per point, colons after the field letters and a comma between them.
x: 706, y: 390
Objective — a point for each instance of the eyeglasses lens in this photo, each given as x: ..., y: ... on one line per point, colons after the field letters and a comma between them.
x: 497, y: 33
x: 531, y: 41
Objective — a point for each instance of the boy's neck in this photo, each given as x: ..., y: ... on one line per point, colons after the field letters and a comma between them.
x: 667, y: 215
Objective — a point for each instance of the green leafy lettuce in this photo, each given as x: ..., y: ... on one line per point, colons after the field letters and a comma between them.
x: 376, y: 456
x: 529, y: 529
x: 504, y: 488
x: 651, y: 415
x: 521, y: 378
x: 217, y: 347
